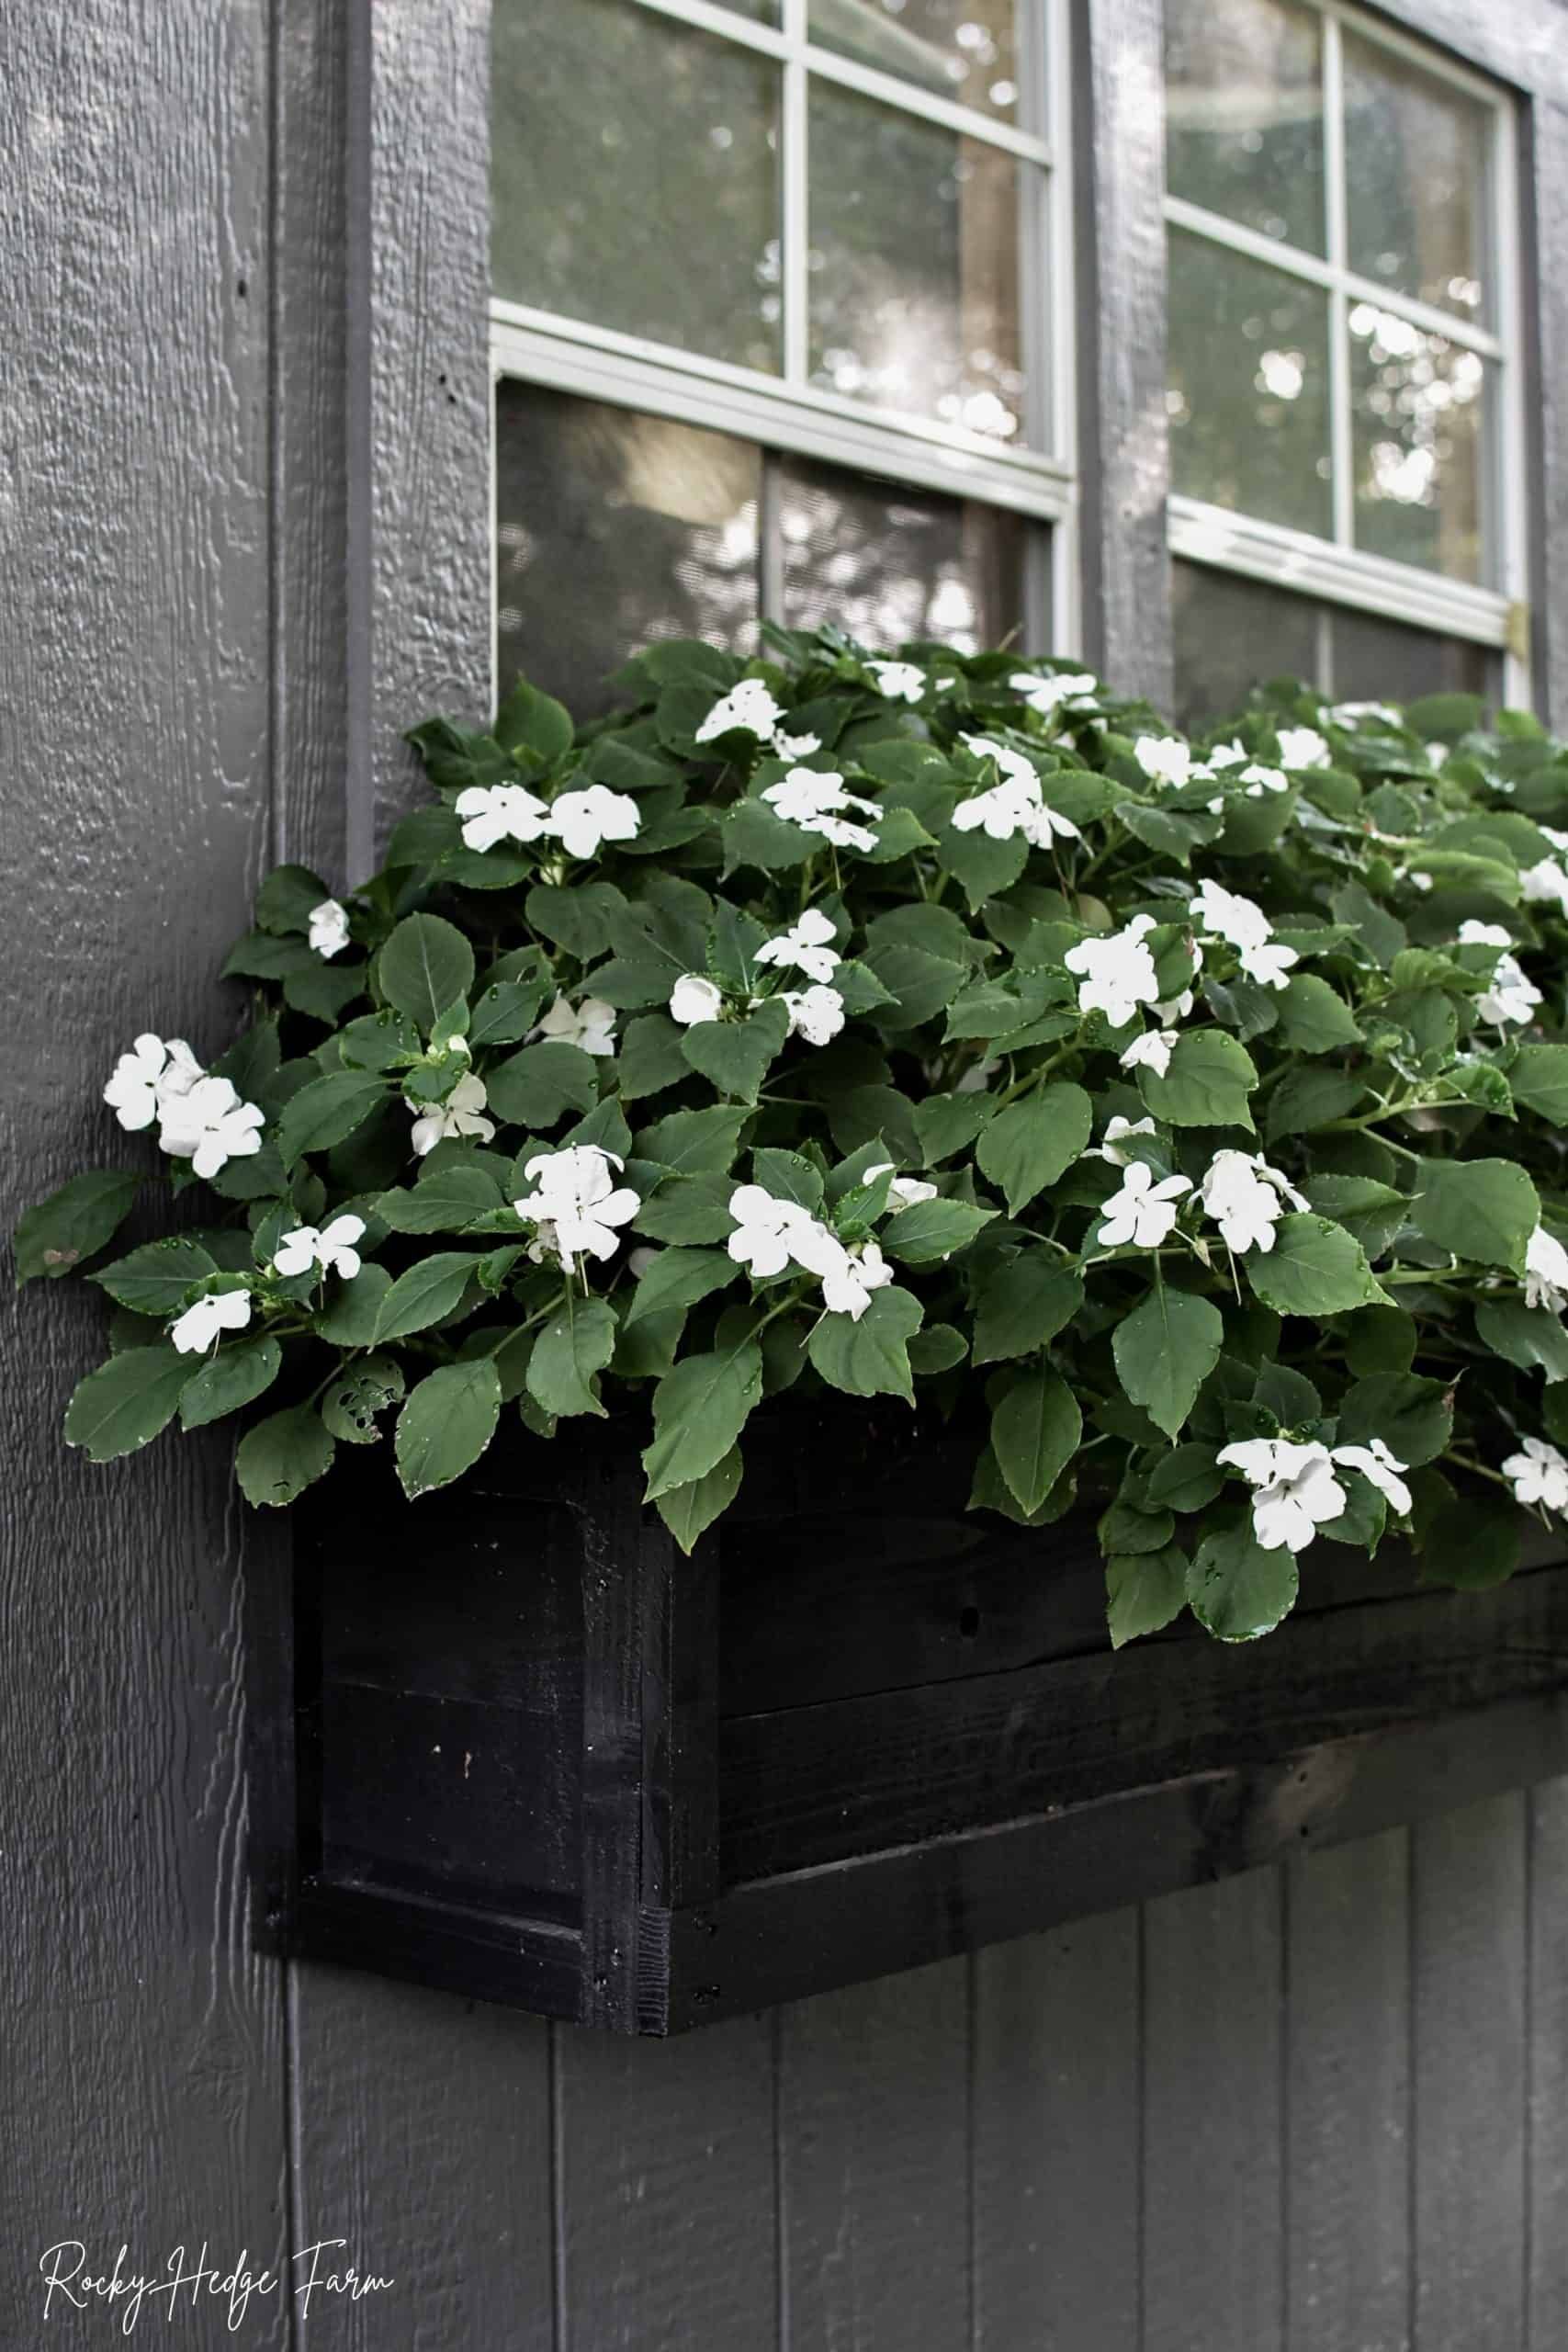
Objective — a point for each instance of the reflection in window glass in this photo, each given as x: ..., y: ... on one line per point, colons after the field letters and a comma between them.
x: 915, y: 265
x: 962, y: 49
x: 1231, y: 635
x: 889, y: 563
x: 633, y: 177
x: 1244, y: 114
x: 1415, y: 155
x: 612, y: 530
x: 1248, y: 399
x: 1416, y: 403
x: 1377, y: 661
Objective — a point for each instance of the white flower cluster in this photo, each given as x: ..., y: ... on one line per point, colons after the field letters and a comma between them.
x: 1063, y: 691
x: 1303, y: 747
x: 897, y: 681
x: 1510, y: 997
x: 1220, y: 914
x: 750, y: 710
x: 1545, y: 884
x: 1013, y: 806
x: 1546, y: 1272
x: 576, y: 1205
x: 330, y: 1247
x: 1538, y: 1474
x: 1117, y: 972
x: 589, y: 1026
x: 462, y: 1113
x: 581, y: 819
x: 200, y: 1118
x: 815, y: 1013
x: 815, y: 800
x: 224, y: 1310
x: 770, y: 1235
x: 1296, y: 1491
x: 327, y: 931
x: 1240, y: 1191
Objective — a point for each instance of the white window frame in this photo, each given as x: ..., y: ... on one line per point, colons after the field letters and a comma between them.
x: 785, y: 412
x: 1335, y: 570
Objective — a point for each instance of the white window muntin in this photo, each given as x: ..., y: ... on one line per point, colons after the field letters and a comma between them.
x: 785, y: 412
x: 1337, y: 569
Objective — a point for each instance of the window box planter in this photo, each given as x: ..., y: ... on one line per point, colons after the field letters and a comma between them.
x: 542, y: 1759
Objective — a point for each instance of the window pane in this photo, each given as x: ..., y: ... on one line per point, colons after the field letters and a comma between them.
x: 1244, y: 113
x: 964, y: 49
x: 1417, y: 407
x: 889, y: 563
x: 635, y: 176
x: 1379, y: 660
x: 1249, y: 386
x: 1233, y: 635
x: 1415, y: 152
x: 613, y: 529
x: 915, y: 265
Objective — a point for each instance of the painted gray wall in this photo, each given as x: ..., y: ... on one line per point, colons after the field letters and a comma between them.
x: 1322, y: 2108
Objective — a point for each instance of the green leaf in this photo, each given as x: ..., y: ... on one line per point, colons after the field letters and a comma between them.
x: 577, y: 916
x: 650, y: 1058
x: 788, y: 1177
x: 1035, y: 1431
x: 919, y: 982
x: 533, y: 1089
x: 1472, y: 1543
x: 1031, y: 1143
x: 1372, y: 1212
x: 949, y: 1123
x: 688, y: 1511
x: 53, y: 1237
x: 936, y: 1349
x: 233, y: 1378
x: 361, y: 1391
x: 692, y: 1143
x: 688, y: 1209
x: 283, y: 1455
x: 1527, y: 1336
x: 288, y: 897
x: 1185, y: 1479
x: 446, y: 1201
x: 932, y: 1231
x: 327, y: 1112
x: 1314, y: 1268
x: 1022, y: 1305
x: 531, y: 721
x: 1144, y: 1592
x: 869, y: 1358
x: 576, y: 1342
x: 735, y: 1056
x: 126, y: 1402
x: 1379, y: 1339
x: 424, y: 966
x: 1309, y: 1099
x: 1313, y: 1018
x: 699, y: 1410
x: 445, y: 1424
x: 506, y: 1012
x: 1236, y: 1590
x: 1206, y: 1085
x: 1537, y: 1077
x: 1484, y: 1210
x: 155, y: 1278
x: 349, y: 1319
x: 1164, y: 1351
x: 983, y: 868
x: 423, y: 1295
x: 379, y: 1041
x: 1415, y: 1418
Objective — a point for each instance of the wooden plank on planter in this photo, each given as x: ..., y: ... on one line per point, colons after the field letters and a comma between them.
x: 873, y: 2162
x: 1347, y: 2098
x: 1469, y: 2076
x: 1547, y: 2154
x: 1056, y: 2135
x: 1212, y: 2256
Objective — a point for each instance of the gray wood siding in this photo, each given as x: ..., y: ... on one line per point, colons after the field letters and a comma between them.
x: 243, y: 513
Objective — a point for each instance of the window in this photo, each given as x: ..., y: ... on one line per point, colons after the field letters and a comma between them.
x: 780, y: 325
x: 1343, y: 396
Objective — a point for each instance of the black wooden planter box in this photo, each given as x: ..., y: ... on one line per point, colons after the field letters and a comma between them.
x: 542, y: 1759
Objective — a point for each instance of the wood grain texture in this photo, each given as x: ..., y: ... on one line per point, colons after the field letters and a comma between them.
x: 1469, y: 2078
x: 1545, y: 208
x: 873, y: 2153
x: 1056, y: 2137
x: 1213, y: 2154
x: 1547, y: 2146
x: 144, y: 2068
x: 1348, y: 2153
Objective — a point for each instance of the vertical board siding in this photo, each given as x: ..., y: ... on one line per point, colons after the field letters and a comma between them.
x: 144, y: 2073
x: 1546, y: 2149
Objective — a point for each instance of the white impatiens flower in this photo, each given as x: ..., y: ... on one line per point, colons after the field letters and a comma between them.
x: 815, y: 1013
x: 694, y: 997
x: 1143, y: 1212
x: 1346, y: 714
x: 907, y: 1191
x: 328, y: 928
x: 154, y: 1071
x: 1511, y: 996
x: 1295, y: 1489
x: 1538, y: 1474
x: 1047, y: 695
x: 1118, y: 1129
x: 766, y: 1230
x: 500, y: 812
x: 1118, y: 971
x: 850, y: 1278
x: 1225, y: 914
x: 1484, y: 934
x: 1546, y: 1272
x: 331, y: 1247
x: 589, y: 1026
x: 899, y: 680
x: 807, y: 943
x: 223, y: 1310
x: 1246, y: 1198
x: 1303, y: 747
x: 209, y: 1125
x: 1165, y: 759
x: 1380, y: 1466
x: 748, y: 709
x: 1013, y: 806
x: 1258, y: 780
x: 795, y: 747
x: 1546, y: 884
x: 1227, y: 756
x: 576, y: 1202
x: 462, y: 1113
x: 1268, y: 964
x: 1152, y: 1051
x: 582, y: 820
x: 815, y: 798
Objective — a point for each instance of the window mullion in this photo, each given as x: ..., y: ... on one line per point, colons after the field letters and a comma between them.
x: 795, y: 251
x: 1341, y: 457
